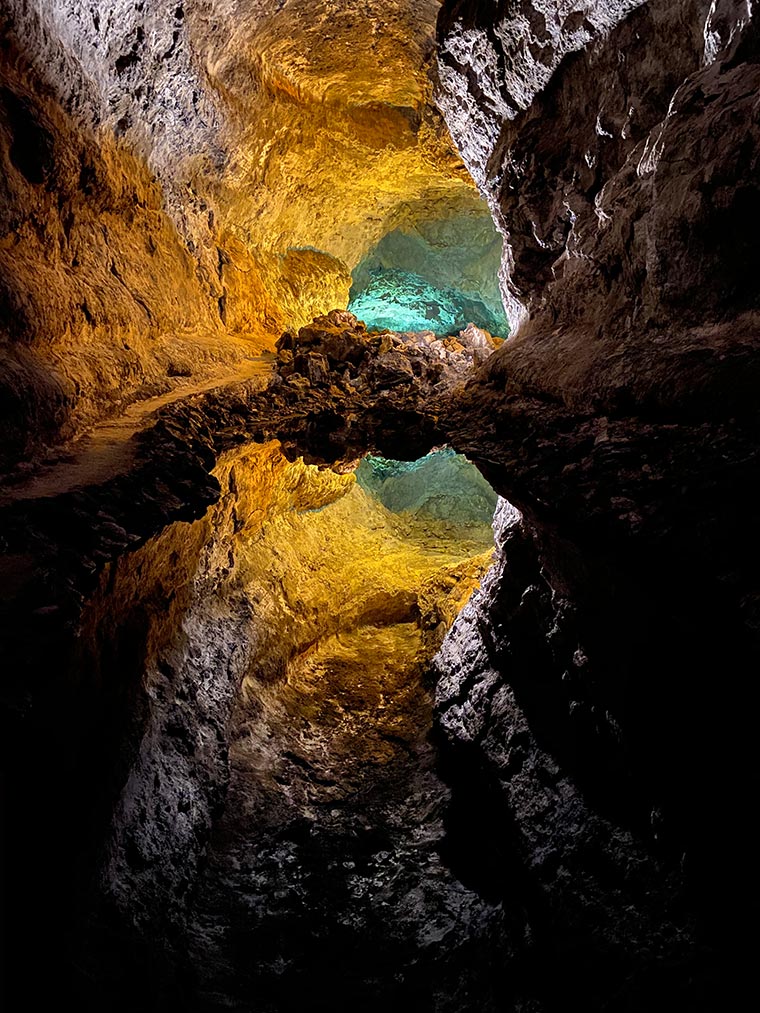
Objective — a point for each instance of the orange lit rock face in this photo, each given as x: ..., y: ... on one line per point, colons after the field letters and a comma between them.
x: 349, y: 141
x: 219, y: 171
x: 99, y: 299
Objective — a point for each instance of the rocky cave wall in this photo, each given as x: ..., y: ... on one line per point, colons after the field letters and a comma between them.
x: 595, y: 698
x: 440, y: 274
x: 603, y: 673
x: 170, y: 201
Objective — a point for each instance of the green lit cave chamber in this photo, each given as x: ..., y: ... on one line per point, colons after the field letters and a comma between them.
x: 441, y: 486
x: 437, y: 275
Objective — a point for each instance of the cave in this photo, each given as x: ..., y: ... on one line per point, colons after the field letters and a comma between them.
x: 378, y: 478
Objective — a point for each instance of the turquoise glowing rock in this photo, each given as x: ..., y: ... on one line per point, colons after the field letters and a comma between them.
x: 402, y: 301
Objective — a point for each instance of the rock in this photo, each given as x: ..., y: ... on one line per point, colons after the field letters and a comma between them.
x: 405, y: 301
x: 479, y: 342
x: 456, y: 255
x: 154, y: 214
x: 285, y: 343
x: 373, y: 361
x: 391, y: 368
x: 314, y: 366
x: 615, y: 418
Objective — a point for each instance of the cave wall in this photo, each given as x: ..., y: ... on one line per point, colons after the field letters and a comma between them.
x: 540, y: 147
x: 86, y: 316
x: 617, y: 147
x: 169, y: 191
x: 457, y: 254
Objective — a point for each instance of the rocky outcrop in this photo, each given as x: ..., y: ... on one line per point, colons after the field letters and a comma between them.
x: 337, y: 349
x: 617, y: 146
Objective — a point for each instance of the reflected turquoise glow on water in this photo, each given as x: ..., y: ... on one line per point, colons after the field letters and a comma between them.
x: 442, y: 485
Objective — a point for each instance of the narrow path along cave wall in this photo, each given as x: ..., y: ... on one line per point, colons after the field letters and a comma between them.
x: 280, y: 730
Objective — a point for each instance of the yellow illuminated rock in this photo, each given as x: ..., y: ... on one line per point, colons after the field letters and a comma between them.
x: 311, y: 555
x: 319, y: 557
x: 351, y: 602
x: 329, y: 593
x: 213, y: 183
x: 332, y: 136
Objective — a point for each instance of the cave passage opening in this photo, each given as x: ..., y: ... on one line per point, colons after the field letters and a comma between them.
x: 436, y: 273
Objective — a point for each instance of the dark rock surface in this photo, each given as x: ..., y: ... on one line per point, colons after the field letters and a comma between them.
x: 546, y: 103
x: 614, y: 646
x: 542, y: 802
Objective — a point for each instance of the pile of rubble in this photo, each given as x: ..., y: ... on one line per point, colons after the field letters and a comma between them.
x: 338, y: 349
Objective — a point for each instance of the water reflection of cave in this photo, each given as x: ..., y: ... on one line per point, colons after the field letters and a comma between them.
x: 334, y: 814
x: 395, y: 543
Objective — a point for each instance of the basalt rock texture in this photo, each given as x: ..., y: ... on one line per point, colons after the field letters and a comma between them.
x: 617, y: 145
